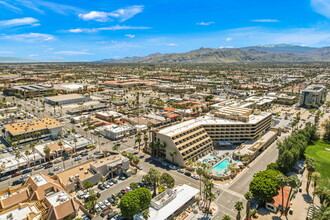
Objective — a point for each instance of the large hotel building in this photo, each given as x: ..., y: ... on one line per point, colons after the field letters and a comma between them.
x: 228, y: 126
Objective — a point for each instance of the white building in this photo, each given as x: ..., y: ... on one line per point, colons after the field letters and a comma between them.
x: 115, y: 132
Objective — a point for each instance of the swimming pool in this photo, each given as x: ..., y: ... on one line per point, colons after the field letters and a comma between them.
x: 222, y: 165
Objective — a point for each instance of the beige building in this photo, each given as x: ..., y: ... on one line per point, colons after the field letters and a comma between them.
x: 92, y: 171
x: 41, y: 197
x: 195, y: 138
x: 33, y: 130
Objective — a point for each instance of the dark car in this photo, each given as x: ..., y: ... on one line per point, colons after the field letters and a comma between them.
x: 187, y: 173
x: 101, y: 186
x: 16, y: 182
x: 84, y: 154
x: 51, y: 174
x: 48, y: 165
x: 111, y: 200
x: 26, y: 171
x: 112, y: 214
x: 15, y: 174
x: 4, y: 178
x: 123, y: 191
x: 114, y: 181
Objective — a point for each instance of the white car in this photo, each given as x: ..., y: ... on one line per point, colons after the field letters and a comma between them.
x: 195, y: 177
x: 172, y: 167
x: 102, y: 206
x: 106, y: 185
x: 97, y: 208
x: 107, y: 203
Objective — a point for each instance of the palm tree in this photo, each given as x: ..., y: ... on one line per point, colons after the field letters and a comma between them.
x: 75, y: 145
x: 138, y: 138
x: 226, y: 217
x: 282, y: 182
x: 146, y: 214
x: 173, y: 154
x: 27, y: 154
x: 145, y: 139
x: 18, y: 156
x: 238, y: 207
x: 115, y: 148
x: 293, y: 182
x: 201, y: 171
x: 310, y: 166
x: 33, y: 148
x: 322, y: 212
x: 152, y: 177
x: 47, y: 152
x: 61, y: 146
x: 248, y: 196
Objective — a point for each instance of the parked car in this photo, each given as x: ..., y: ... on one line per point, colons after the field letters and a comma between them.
x: 57, y: 169
x: 83, y: 154
x: 16, y: 174
x: 38, y: 167
x: 51, y: 174
x: 114, y: 181
x: 48, y: 165
x: 10, y: 149
x: 112, y: 215
x: 57, y: 160
x: 106, y: 185
x: 24, y: 176
x: 195, y: 177
x: 106, y: 203
x: 97, y: 152
x: 180, y: 171
x: 17, y: 182
x: 4, y: 178
x: 77, y: 158
x: 128, y: 188
x: 172, y: 167
x: 101, y: 186
x: 102, y: 206
x: 110, y: 183
x: 139, y: 167
x: 97, y: 208
x: 123, y: 191
x: 111, y: 200
x: 26, y: 171
x: 122, y: 178
x: 187, y: 173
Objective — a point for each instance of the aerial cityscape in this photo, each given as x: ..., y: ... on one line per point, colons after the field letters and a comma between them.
x: 161, y: 110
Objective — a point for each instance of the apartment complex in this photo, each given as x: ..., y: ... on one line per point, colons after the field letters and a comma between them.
x: 228, y: 126
x: 41, y: 197
x: 312, y: 96
x: 32, y: 130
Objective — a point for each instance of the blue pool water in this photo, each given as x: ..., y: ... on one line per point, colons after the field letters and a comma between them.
x: 222, y: 165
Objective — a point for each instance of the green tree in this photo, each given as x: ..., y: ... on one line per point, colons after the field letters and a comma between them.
x: 173, y: 154
x: 326, y: 127
x: 167, y: 181
x: 263, y: 188
x: 152, y: 177
x: 47, y: 152
x: 293, y: 182
x: 146, y: 214
x: 310, y: 166
x: 88, y: 184
x: 226, y: 217
x: 134, y: 185
x: 239, y: 208
x: 135, y: 201
x: 282, y: 181
x: 91, y: 200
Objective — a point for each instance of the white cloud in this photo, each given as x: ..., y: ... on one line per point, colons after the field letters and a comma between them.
x: 6, y: 52
x: 112, y: 28
x: 69, y: 53
x: 171, y: 44
x: 30, y: 37
x: 10, y: 6
x: 322, y: 7
x: 122, y: 14
x: 205, y: 23
x: 33, y: 55
x: 229, y: 39
x: 265, y: 20
x: 19, y: 22
x: 99, y: 16
x: 226, y: 47
x: 130, y: 35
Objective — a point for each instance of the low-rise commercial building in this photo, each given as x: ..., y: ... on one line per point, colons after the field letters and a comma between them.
x: 29, y: 90
x: 312, y: 96
x: 115, y: 132
x: 66, y: 99
x: 195, y: 138
x: 92, y: 171
x: 108, y: 115
x: 33, y: 130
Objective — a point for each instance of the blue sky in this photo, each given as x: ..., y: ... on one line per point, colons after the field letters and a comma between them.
x: 92, y: 30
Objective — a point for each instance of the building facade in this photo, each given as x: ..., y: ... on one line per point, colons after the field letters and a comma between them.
x: 312, y: 96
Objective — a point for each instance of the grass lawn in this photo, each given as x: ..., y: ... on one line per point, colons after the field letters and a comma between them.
x: 321, y: 157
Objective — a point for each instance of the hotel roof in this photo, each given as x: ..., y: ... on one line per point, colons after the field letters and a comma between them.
x: 208, y: 120
x: 32, y: 125
x: 65, y: 97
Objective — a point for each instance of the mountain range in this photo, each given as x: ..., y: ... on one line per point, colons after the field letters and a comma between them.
x: 261, y: 53
x: 267, y: 53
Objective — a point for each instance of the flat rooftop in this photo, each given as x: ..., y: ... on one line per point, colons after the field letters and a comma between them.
x: 183, y: 194
x: 80, y: 171
x: 65, y: 97
x: 58, y: 198
x: 209, y: 120
x: 21, y: 213
x: 39, y: 179
x: 32, y: 125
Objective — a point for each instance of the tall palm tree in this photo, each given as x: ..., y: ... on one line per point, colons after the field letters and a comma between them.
x: 75, y: 145
x: 47, y: 152
x: 33, y: 148
x: 18, y: 156
x: 173, y: 154
x: 293, y: 182
x: 138, y: 138
x: 145, y: 139
x: 239, y: 208
x: 27, y: 154
x: 62, y: 149
x: 248, y: 196
x: 310, y: 166
x: 282, y: 182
